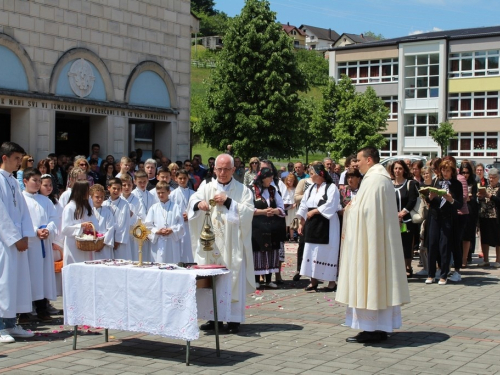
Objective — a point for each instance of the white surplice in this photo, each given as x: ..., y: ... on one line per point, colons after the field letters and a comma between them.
x: 15, y: 285
x: 59, y: 241
x: 146, y: 200
x: 70, y: 228
x: 180, y: 196
x: 40, y: 255
x: 138, y: 213
x: 233, y: 238
x: 165, y: 249
x: 320, y: 261
x: 104, y: 223
x: 121, y: 213
x: 64, y: 198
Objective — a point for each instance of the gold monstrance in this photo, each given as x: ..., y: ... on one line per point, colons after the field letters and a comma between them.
x: 140, y: 233
x: 207, y: 236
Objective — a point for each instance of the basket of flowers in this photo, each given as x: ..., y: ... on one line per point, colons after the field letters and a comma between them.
x: 90, y: 240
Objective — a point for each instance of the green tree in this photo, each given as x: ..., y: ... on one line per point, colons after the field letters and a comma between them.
x: 253, y: 93
x: 314, y: 65
x: 373, y: 35
x: 203, y: 6
x: 213, y: 24
x: 351, y: 120
x: 442, y: 136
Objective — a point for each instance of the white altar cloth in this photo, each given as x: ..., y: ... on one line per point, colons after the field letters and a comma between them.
x: 150, y: 300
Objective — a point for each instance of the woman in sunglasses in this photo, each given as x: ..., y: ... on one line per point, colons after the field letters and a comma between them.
x: 82, y: 163
x: 252, y: 171
x: 26, y: 162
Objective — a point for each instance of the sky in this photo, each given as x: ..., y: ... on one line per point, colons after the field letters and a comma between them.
x: 391, y: 18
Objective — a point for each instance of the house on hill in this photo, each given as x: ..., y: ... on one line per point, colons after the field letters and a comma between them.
x: 348, y: 39
x: 298, y: 36
x: 319, y: 38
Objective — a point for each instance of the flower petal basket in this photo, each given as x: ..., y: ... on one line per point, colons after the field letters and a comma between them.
x: 90, y: 243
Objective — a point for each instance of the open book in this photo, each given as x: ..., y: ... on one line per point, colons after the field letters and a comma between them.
x: 426, y: 190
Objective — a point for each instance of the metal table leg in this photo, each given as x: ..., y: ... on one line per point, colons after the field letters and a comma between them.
x: 216, y: 318
x: 75, y: 333
x: 106, y: 336
x: 188, y: 346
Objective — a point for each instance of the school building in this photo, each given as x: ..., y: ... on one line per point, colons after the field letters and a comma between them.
x: 429, y: 78
x: 113, y: 72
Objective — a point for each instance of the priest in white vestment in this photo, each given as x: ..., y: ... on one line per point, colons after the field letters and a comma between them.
x: 232, y: 224
x: 372, y: 276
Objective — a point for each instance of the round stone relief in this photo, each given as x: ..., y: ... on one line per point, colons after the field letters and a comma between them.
x: 81, y: 78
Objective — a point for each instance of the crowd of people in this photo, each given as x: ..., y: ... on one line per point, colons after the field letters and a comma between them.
x: 51, y: 203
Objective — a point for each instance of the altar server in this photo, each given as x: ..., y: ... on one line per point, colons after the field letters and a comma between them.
x: 15, y: 228
x: 76, y: 217
x: 180, y: 197
x: 76, y: 174
x: 104, y: 222
x: 166, y: 224
x: 138, y: 212
x: 40, y: 256
x: 122, y: 217
x: 146, y: 200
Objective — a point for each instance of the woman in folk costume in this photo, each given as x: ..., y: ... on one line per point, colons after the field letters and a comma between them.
x: 76, y: 217
x: 268, y: 226
x: 319, y: 223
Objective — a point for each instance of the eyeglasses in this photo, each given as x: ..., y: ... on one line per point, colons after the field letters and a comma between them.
x: 31, y: 160
x: 220, y: 170
x: 254, y: 162
x: 82, y: 164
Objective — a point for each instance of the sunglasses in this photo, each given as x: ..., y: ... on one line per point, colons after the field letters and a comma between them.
x: 82, y: 165
x: 31, y: 160
x: 254, y: 162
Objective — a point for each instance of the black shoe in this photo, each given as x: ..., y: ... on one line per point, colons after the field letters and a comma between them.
x: 311, y: 287
x: 327, y: 289
x: 44, y: 317
x: 210, y: 326
x: 296, y: 277
x: 365, y: 336
x: 233, y: 328
x: 383, y: 335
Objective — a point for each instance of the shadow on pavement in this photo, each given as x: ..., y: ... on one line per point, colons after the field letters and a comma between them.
x: 156, y: 350
x: 412, y: 339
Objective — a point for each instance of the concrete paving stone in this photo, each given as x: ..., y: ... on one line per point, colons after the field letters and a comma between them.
x: 79, y: 368
x: 103, y: 371
x: 56, y: 371
x: 34, y: 368
x: 20, y: 372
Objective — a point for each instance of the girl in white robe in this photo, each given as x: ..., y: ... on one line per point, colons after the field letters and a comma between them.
x: 320, y: 260
x: 138, y: 213
x: 76, y: 217
x: 180, y: 197
x: 104, y: 222
x: 167, y: 228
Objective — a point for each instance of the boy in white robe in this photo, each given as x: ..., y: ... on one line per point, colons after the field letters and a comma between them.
x: 146, y: 200
x: 40, y: 255
x: 166, y: 224
x: 122, y: 215
x: 138, y: 213
x: 180, y: 197
x: 104, y: 222
x: 15, y: 228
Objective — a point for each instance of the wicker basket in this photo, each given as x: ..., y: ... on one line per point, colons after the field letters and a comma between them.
x: 58, y: 264
x: 96, y: 245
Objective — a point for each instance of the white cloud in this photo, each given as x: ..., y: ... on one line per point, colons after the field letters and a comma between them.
x: 416, y: 32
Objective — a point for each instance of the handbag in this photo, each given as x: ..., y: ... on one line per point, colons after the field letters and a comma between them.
x: 294, y: 225
x: 419, y: 211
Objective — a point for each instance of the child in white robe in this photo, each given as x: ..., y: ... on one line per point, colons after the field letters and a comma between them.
x: 122, y: 215
x: 138, y: 212
x: 76, y: 217
x: 104, y: 222
x: 180, y: 197
x: 146, y: 200
x: 166, y: 224
x: 15, y: 228
x: 40, y: 256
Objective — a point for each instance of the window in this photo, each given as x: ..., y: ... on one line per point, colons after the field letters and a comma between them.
x: 391, y: 102
x: 474, y: 64
x: 420, y: 125
x: 422, y: 76
x: 391, y: 145
x: 475, y: 104
x: 371, y: 71
x: 477, y: 144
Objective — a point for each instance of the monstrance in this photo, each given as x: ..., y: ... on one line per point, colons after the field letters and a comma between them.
x: 140, y: 233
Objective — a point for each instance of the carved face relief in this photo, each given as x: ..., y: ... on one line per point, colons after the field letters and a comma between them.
x: 81, y: 78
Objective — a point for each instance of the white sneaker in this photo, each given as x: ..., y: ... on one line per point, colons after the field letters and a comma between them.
x: 495, y: 265
x: 422, y: 272
x: 17, y: 331
x: 455, y: 277
x: 5, y: 337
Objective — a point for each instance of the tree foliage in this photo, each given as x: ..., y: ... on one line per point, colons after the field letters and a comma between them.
x: 314, y: 65
x: 442, y: 136
x: 350, y: 120
x: 203, y: 6
x: 373, y: 35
x: 215, y: 24
x: 252, y: 97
